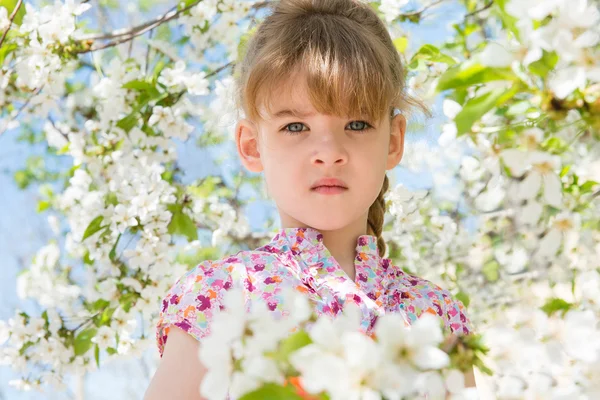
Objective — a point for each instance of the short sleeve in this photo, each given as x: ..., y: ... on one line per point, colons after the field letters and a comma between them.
x: 192, y: 301
x: 455, y: 315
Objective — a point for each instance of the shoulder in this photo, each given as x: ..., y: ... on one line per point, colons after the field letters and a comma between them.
x: 419, y: 295
x: 195, y: 297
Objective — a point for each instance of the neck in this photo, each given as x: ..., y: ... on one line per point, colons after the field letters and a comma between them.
x: 341, y: 243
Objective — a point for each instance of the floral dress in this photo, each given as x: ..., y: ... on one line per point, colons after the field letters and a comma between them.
x: 298, y: 258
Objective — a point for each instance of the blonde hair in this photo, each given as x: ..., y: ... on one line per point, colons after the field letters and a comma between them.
x: 349, y: 59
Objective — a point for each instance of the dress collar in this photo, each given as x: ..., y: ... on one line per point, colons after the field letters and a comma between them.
x: 306, y: 245
x: 307, y: 256
x: 302, y: 240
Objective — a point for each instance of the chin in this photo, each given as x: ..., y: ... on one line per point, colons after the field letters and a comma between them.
x: 326, y: 223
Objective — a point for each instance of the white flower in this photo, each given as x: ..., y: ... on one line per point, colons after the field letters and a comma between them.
x: 122, y: 218
x: 531, y: 9
x: 542, y: 171
x: 4, y: 21
x: 105, y: 337
x: 564, y: 81
x: 35, y: 328
x: 451, y: 108
x: 581, y: 337
x: 241, y: 384
x: 531, y: 138
x: 513, y: 258
x: 404, y: 201
x: 72, y: 8
x: 417, y: 343
x: 197, y: 84
x: 392, y: 8
x: 562, y: 225
x: 587, y: 285
x: 4, y: 332
x: 54, y: 320
x: 56, y: 137
x: 173, y: 76
x: 122, y: 322
x: 530, y: 213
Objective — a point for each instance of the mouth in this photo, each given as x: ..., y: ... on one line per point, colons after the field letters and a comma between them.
x: 325, y: 189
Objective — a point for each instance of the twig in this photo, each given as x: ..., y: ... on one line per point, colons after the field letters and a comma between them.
x: 65, y: 135
x: 148, y: 53
x: 10, y: 21
x: 35, y: 92
x: 221, y: 68
x: 130, y: 33
x: 472, y: 13
x: 422, y: 10
x: 140, y: 30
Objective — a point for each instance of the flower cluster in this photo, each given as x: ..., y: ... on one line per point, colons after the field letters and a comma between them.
x: 248, y: 350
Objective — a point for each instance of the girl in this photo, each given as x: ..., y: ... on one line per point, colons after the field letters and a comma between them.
x: 319, y: 84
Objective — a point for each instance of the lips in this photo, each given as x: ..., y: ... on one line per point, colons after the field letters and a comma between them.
x: 329, y: 182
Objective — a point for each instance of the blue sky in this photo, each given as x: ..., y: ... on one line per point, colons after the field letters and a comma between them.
x: 23, y: 231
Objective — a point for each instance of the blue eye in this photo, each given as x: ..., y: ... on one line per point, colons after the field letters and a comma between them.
x: 362, y: 126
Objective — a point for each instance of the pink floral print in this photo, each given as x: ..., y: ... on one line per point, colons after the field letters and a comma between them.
x: 297, y: 257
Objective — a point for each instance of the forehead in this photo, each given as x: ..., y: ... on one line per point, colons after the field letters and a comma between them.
x: 292, y: 98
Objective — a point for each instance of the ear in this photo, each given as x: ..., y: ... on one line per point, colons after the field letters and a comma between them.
x: 246, y: 138
x: 396, y: 148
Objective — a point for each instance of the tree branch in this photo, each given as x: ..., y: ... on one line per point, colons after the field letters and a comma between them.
x: 128, y: 34
x: 35, y: 92
x: 10, y: 21
x: 422, y: 10
x: 488, y: 5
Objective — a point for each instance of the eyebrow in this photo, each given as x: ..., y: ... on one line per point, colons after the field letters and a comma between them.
x: 292, y: 113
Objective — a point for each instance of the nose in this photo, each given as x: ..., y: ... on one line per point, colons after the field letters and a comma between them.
x: 329, y: 151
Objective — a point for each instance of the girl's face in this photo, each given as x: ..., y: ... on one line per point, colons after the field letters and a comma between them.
x: 295, y: 147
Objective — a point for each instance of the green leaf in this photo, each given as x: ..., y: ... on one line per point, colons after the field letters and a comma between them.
x: 113, y: 252
x: 127, y: 301
x: 401, y: 44
x: 476, y: 108
x: 242, y: 45
x: 10, y: 6
x: 42, y: 206
x: 545, y: 64
x: 556, y: 304
x: 272, y: 391
x: 111, y: 350
x: 587, y: 187
x: 509, y: 22
x: 554, y: 145
x: 106, y: 315
x: 142, y: 86
x: 431, y: 53
x: 160, y: 65
x: 490, y: 270
x: 86, y: 258
x: 93, y: 227
x: 186, y: 3
x: 295, y: 341
x: 27, y: 345
x: 5, y: 49
x: 464, y: 298
x: 97, y: 355
x: 100, y: 304
x: 127, y: 123
x: 83, y: 341
x: 471, y: 73
x: 182, y: 224
x: 22, y: 179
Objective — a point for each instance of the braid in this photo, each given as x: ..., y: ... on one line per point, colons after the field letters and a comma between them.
x: 376, y: 216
